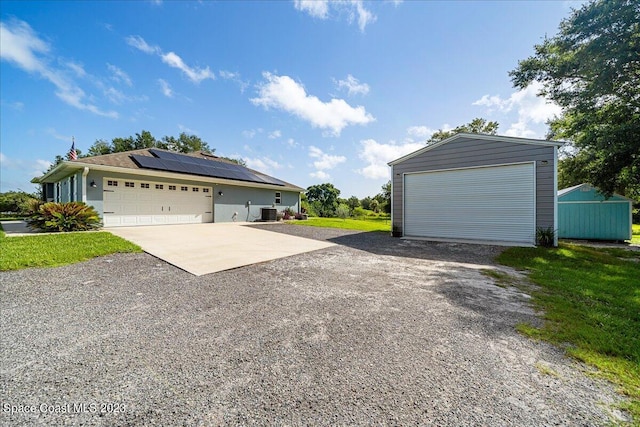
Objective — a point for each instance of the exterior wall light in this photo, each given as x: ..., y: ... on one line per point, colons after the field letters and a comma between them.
x: 220, y: 193
x: 93, y: 184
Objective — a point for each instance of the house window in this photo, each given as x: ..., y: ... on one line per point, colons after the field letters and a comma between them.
x: 129, y: 184
x: 196, y: 189
x: 159, y: 186
x: 205, y: 190
x: 172, y: 187
x: 278, y: 197
x: 112, y: 183
x: 144, y: 185
x: 184, y: 188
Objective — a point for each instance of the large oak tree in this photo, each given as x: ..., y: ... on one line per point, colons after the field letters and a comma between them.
x: 591, y: 68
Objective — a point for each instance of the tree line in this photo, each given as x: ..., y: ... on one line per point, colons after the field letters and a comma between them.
x: 324, y: 200
x: 183, y: 143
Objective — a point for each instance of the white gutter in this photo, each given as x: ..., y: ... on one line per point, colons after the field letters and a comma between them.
x: 555, y: 196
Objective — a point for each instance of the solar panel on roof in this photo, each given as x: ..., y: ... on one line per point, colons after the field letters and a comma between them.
x: 181, y: 163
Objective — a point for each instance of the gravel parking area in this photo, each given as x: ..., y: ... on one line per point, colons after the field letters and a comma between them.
x: 375, y: 330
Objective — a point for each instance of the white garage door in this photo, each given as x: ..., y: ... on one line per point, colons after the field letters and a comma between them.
x: 494, y: 203
x: 129, y: 202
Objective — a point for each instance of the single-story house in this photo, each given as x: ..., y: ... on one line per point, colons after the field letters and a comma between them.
x: 585, y: 213
x: 154, y: 186
x: 476, y: 188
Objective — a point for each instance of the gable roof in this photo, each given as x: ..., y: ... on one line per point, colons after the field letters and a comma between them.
x: 476, y: 136
x: 124, y: 162
x: 590, y: 187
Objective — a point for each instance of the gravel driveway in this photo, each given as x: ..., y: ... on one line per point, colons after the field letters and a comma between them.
x: 375, y: 330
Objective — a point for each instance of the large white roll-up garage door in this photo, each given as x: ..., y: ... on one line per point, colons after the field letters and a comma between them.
x: 495, y: 203
x: 131, y: 202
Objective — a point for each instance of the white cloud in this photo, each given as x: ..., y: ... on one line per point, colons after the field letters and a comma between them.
x: 78, y: 69
x: 315, y: 8
x: 323, y: 160
x: 263, y: 164
x: 21, y: 46
x: 187, y: 130
x: 377, y: 156
x: 353, y: 86
x: 235, y: 77
x: 165, y: 87
x: 196, y: 74
x: 420, y: 131
x: 119, y: 76
x: 349, y: 8
x: 31, y: 167
x: 172, y: 59
x: 140, y: 44
x: 275, y: 134
x: 531, y: 109
x: 321, y: 175
x: 54, y: 133
x: 292, y: 143
x: 284, y: 93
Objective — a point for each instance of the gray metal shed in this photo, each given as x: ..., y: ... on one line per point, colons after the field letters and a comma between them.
x: 476, y: 188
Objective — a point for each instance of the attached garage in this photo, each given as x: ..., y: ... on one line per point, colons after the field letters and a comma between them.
x: 130, y: 202
x: 476, y: 188
x: 584, y: 213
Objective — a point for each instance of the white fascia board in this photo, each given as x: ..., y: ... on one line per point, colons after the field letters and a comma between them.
x: 498, y: 138
x: 183, y: 177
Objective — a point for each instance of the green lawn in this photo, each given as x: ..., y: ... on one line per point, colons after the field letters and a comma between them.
x: 52, y: 250
x: 368, y: 224
x: 591, y: 304
x: 635, y: 234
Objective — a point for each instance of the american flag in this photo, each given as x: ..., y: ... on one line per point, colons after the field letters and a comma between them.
x: 72, y: 153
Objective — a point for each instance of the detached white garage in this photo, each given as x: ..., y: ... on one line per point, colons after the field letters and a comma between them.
x: 477, y: 188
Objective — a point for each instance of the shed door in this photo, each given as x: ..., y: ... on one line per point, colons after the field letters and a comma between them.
x: 494, y: 203
x: 132, y: 202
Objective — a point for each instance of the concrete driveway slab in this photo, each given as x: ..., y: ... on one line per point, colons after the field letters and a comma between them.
x: 209, y: 248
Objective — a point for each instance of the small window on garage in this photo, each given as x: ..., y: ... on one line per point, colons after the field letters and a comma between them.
x: 144, y: 185
x: 278, y: 197
x: 205, y: 190
x: 159, y: 186
x: 112, y: 183
x: 172, y: 187
x: 129, y: 184
x: 195, y: 189
x: 184, y: 188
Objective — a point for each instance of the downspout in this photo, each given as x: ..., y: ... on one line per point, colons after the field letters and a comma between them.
x: 85, y: 172
x: 555, y: 196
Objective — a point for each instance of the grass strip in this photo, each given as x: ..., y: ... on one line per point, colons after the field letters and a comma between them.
x: 51, y: 250
x: 368, y: 224
x: 590, y: 298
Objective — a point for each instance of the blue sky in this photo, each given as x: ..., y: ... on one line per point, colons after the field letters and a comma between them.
x: 309, y: 92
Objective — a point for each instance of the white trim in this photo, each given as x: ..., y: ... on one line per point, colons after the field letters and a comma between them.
x: 580, y: 202
x: 555, y: 196
x: 533, y: 199
x: 471, y: 241
x: 497, y: 138
x: 472, y: 167
x: 85, y: 172
x: 565, y: 191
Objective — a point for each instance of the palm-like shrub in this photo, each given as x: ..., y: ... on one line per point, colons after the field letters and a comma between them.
x: 72, y: 216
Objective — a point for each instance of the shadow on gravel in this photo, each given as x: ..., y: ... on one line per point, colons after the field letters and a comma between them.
x: 381, y: 243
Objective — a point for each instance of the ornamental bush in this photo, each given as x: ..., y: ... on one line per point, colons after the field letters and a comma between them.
x: 72, y: 216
